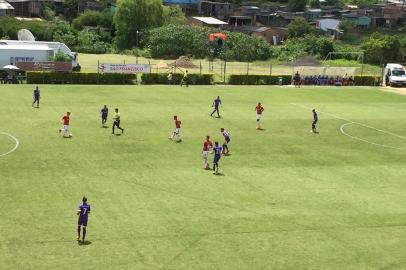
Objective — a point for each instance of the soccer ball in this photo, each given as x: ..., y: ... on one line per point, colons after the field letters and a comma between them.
x: 70, y: 135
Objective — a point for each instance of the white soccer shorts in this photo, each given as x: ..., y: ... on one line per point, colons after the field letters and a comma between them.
x: 177, y: 131
x: 258, y: 117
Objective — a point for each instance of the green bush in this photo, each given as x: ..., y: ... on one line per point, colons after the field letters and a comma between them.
x: 9, y: 27
x: 89, y: 42
x: 173, y: 41
x: 61, y: 57
x: 245, y: 48
x: 258, y: 79
x: 161, y: 78
x: 367, y: 80
x: 295, y: 48
x: 94, y: 19
x: 79, y: 78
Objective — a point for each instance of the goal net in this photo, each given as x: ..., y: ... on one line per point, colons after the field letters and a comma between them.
x: 324, y: 71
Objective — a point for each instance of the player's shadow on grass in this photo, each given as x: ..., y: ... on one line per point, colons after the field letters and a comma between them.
x: 85, y: 243
x: 261, y: 129
x: 118, y: 134
x: 219, y: 174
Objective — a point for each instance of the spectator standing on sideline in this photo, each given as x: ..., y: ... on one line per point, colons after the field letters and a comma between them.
x: 170, y: 77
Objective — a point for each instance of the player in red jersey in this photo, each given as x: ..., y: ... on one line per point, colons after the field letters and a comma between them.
x: 177, y: 130
x: 207, y: 146
x: 65, y: 129
x: 259, y: 109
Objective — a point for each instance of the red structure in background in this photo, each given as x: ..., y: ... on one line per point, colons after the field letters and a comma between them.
x: 217, y: 35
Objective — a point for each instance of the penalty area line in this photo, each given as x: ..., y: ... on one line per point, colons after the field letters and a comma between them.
x: 350, y: 122
x: 17, y: 143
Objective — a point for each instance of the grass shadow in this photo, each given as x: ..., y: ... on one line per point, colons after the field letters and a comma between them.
x: 84, y: 243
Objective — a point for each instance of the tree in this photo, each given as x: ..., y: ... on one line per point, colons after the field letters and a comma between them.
x: 173, y: 41
x: 347, y: 27
x: 134, y: 16
x: 173, y: 15
x: 362, y: 3
x: 48, y: 14
x: 299, y: 27
x: 94, y: 19
x: 89, y: 42
x: 70, y: 9
x: 314, y: 3
x: 380, y: 49
x: 61, y: 31
x: 297, y: 5
x: 321, y: 45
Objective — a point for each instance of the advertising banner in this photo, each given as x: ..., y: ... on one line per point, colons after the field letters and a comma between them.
x: 124, y: 68
x: 44, y: 66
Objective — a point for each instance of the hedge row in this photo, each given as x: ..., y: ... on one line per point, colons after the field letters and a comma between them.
x: 259, y: 79
x: 79, y: 78
x: 367, y: 80
x: 162, y: 78
x: 287, y: 79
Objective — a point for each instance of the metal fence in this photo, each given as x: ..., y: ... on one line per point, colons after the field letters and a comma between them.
x: 222, y: 69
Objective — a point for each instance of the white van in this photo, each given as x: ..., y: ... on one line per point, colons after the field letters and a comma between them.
x: 395, y: 75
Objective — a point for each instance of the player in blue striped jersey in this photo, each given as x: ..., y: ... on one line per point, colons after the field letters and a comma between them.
x: 227, y: 140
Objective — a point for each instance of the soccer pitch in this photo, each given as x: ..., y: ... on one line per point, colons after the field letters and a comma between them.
x: 286, y: 199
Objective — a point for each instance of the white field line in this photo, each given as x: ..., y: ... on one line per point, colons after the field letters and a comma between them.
x: 17, y: 143
x: 350, y: 122
x: 363, y: 140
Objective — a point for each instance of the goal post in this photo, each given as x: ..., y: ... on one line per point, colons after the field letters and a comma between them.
x: 331, y: 70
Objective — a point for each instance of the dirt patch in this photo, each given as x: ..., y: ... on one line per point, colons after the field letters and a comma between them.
x: 400, y: 91
x: 183, y: 62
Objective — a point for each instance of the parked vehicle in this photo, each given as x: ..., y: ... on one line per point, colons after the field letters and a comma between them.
x: 54, y: 46
x: 395, y: 75
x: 11, y: 54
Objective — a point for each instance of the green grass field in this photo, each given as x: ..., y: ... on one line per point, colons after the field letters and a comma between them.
x: 287, y: 199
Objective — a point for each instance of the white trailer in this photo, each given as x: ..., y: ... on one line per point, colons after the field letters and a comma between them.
x: 55, y: 46
x: 11, y: 54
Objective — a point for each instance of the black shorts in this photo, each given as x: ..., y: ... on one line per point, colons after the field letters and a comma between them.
x: 82, y: 221
x: 116, y: 123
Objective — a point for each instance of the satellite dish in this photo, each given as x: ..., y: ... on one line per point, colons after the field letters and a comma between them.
x: 25, y: 35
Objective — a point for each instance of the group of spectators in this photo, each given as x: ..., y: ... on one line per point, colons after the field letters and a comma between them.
x: 323, y: 80
x: 8, y: 78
